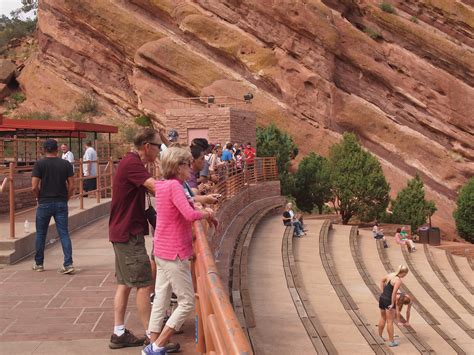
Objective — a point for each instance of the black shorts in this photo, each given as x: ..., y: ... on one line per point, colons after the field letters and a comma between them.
x: 384, y: 303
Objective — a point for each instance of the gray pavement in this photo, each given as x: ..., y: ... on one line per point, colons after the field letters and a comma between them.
x: 49, y: 313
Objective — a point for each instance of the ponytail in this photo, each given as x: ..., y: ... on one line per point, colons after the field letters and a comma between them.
x: 402, y: 269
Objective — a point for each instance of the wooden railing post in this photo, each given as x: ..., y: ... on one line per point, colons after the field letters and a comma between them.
x: 98, y: 180
x: 81, y: 186
x: 12, y: 200
x: 111, y: 164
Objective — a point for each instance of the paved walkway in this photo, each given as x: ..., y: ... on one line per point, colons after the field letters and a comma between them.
x: 49, y: 313
x: 278, y: 328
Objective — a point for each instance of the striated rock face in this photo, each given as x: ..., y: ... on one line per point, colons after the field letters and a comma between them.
x: 311, y: 65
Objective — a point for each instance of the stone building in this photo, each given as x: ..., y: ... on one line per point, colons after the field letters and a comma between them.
x: 216, y: 124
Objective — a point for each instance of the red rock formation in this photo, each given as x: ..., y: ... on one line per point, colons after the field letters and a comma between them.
x: 407, y: 93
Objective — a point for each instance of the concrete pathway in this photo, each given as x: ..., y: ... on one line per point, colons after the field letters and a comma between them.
x: 49, y: 313
x: 279, y: 329
x: 322, y: 296
x: 377, y: 271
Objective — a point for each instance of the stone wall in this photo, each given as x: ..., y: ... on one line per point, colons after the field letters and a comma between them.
x: 224, y: 124
x: 232, y: 217
x: 22, y: 199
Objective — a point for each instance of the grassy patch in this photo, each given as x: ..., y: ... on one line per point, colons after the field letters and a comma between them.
x: 374, y: 34
x: 87, y: 105
x: 143, y: 121
x: 387, y: 7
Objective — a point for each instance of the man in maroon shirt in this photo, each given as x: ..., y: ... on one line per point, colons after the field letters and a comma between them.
x: 127, y: 227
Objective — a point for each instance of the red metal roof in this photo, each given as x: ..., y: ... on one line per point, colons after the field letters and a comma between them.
x: 9, y: 125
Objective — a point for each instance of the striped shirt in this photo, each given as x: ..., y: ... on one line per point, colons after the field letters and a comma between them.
x: 174, y: 215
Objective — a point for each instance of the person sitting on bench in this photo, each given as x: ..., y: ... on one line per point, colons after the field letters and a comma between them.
x: 402, y: 239
x: 289, y: 219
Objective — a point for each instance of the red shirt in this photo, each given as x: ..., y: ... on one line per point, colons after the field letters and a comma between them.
x: 127, y: 213
x: 249, y: 155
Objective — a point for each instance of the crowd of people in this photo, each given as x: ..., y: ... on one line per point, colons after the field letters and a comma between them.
x: 181, y: 196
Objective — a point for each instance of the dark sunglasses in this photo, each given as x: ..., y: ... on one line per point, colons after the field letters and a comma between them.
x: 155, y: 144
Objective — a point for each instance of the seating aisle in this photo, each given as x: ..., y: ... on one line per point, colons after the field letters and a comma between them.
x: 350, y: 277
x: 322, y: 296
x: 278, y: 328
x: 464, y: 268
x: 447, y: 325
x: 448, y: 266
x: 368, y: 249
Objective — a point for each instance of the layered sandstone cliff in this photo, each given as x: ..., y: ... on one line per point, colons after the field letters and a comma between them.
x: 402, y: 81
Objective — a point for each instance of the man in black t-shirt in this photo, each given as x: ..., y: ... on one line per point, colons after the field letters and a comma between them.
x: 52, y: 183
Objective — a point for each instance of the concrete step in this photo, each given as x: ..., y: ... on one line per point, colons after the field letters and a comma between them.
x: 464, y: 268
x: 278, y: 328
x: 446, y: 324
x: 352, y: 280
x: 449, y: 279
x: 323, y: 297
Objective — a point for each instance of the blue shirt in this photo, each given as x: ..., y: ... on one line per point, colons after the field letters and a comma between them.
x: 226, y: 155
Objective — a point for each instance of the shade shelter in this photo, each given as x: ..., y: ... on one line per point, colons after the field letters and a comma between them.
x: 22, y: 134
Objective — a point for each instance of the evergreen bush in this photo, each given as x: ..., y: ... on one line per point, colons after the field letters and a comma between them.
x: 464, y: 213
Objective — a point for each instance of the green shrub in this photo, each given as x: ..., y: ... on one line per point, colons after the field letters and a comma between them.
x: 464, y: 213
x: 357, y: 181
x: 410, y: 206
x: 18, y: 97
x: 271, y: 142
x: 14, y: 100
x: 387, y: 7
x: 87, y: 104
x: 414, y: 19
x: 372, y: 33
x: 14, y: 28
x: 143, y: 121
x: 313, y: 183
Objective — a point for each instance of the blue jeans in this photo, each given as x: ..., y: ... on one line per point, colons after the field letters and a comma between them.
x: 298, y: 227
x: 44, y: 212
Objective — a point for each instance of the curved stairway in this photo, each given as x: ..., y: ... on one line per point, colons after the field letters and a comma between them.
x: 319, y: 293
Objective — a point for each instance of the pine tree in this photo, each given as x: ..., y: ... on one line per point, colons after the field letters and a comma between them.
x: 271, y: 142
x: 358, y: 184
x: 313, y: 184
x: 410, y: 206
x: 464, y: 213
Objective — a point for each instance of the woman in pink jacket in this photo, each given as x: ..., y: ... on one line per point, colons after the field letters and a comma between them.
x: 173, y: 248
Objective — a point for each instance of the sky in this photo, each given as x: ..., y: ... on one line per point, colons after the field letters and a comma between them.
x: 6, y: 6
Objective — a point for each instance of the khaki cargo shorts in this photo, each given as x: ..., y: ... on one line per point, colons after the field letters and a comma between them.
x: 132, y: 264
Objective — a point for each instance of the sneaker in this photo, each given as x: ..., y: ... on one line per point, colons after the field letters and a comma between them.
x: 392, y: 344
x: 148, y: 350
x: 172, y: 347
x: 67, y: 270
x: 126, y: 340
x: 38, y: 268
